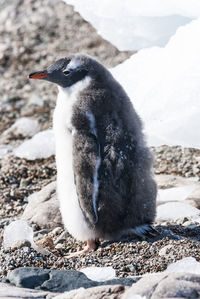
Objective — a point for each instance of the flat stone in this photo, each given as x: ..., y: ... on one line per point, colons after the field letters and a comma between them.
x: 173, y: 285
x: 8, y: 291
x: 43, y: 208
x: 57, y: 280
x: 108, y: 291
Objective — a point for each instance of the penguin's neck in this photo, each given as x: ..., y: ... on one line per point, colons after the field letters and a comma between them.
x: 66, y: 99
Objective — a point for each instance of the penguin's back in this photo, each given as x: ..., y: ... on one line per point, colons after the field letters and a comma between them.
x: 112, y: 164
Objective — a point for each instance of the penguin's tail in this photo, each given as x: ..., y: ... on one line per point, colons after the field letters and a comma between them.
x: 144, y: 231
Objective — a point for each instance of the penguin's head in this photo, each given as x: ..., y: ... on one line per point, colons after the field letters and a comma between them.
x: 67, y: 71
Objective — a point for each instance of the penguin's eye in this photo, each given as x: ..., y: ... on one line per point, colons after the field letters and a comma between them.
x: 66, y: 72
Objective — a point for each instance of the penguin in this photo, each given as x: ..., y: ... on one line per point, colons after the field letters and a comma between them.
x: 105, y: 182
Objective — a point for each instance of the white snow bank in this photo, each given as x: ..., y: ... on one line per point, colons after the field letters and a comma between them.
x: 24, y: 126
x: 187, y: 265
x: 99, y: 273
x: 163, y: 84
x: 174, y: 210
x: 42, y: 145
x: 136, y: 24
x: 175, y: 194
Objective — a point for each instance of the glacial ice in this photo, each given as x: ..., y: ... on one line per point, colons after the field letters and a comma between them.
x: 137, y: 24
x: 163, y: 84
x: 42, y: 145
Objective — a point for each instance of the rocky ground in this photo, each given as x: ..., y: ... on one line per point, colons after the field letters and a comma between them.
x: 32, y: 35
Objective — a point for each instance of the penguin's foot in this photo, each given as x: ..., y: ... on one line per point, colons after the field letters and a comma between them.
x: 91, y: 245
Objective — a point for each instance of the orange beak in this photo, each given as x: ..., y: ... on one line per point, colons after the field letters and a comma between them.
x: 38, y: 75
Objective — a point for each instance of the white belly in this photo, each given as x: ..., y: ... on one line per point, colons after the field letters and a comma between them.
x: 72, y: 216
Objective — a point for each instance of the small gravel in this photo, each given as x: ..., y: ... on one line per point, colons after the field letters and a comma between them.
x: 33, y: 33
x: 128, y: 258
x: 177, y: 160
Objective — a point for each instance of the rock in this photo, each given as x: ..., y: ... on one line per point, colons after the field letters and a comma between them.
x: 21, y: 244
x: 108, y: 291
x: 46, y: 242
x: 43, y: 208
x: 173, y: 285
x: 8, y: 291
x: 165, y: 251
x: 57, y: 280
x: 61, y: 238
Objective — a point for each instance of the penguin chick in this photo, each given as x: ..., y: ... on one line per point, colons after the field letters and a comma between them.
x: 104, y: 168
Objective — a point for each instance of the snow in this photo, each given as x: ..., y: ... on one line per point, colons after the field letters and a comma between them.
x: 174, y: 210
x: 99, y: 273
x: 24, y: 126
x: 136, y: 24
x: 17, y: 231
x: 42, y: 145
x: 163, y: 84
x: 4, y: 150
x: 36, y: 100
x: 187, y: 265
x: 175, y: 194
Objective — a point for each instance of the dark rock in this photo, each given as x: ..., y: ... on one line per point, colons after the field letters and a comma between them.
x: 57, y: 280
x: 107, y: 291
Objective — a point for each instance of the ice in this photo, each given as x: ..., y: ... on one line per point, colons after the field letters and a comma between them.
x: 174, y: 210
x: 175, y: 194
x: 42, y: 145
x: 187, y: 265
x: 163, y: 84
x: 136, y: 24
x: 17, y: 231
x: 24, y: 126
x: 99, y: 273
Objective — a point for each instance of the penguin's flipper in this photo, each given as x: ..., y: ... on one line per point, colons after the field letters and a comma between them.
x: 86, y: 164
